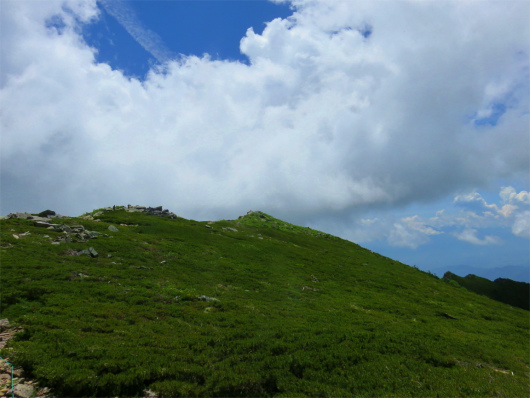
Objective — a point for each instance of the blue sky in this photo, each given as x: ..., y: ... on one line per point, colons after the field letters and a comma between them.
x: 368, y: 120
x: 184, y: 27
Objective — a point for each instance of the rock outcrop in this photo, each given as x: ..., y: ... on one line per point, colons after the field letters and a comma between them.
x: 39, y: 217
x: 153, y: 211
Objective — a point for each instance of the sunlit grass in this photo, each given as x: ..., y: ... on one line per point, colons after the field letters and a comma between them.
x: 299, y: 312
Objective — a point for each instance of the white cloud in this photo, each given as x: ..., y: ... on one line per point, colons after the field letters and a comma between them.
x: 411, y: 232
x: 470, y: 236
x: 323, y: 121
x: 510, y: 195
x: 521, y: 225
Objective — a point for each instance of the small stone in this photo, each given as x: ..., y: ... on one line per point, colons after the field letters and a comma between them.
x: 16, y: 236
x: 92, y: 252
x: 113, y: 228
x: 24, y: 390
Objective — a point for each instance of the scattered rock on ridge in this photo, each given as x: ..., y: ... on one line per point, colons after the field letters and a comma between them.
x: 113, y: 228
x: 153, y: 211
x: 29, y: 216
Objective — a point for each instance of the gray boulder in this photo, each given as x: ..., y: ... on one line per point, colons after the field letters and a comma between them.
x: 24, y: 390
x: 206, y: 298
x: 42, y: 224
x: 113, y: 228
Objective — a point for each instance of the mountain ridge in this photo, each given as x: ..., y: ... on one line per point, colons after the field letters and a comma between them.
x: 247, y: 307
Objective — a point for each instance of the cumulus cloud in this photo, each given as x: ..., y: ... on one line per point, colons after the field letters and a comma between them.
x: 510, y: 195
x: 475, y: 202
x: 471, y: 216
x: 470, y: 236
x: 410, y: 232
x: 326, y: 118
x: 521, y: 225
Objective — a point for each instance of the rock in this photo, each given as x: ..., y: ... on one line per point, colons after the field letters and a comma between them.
x: 206, y: 298
x: 63, y: 228
x: 92, y: 234
x: 207, y: 226
x: 79, y: 275
x: 46, y: 213
x: 77, y: 228
x: 90, y: 251
x: 16, y: 236
x: 43, y: 219
x: 446, y: 315
x: 113, y: 228
x: 164, y: 262
x: 24, y: 390
x: 153, y: 211
x: 42, y: 224
x: 19, y: 215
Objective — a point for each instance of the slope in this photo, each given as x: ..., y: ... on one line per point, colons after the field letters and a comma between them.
x: 231, y: 308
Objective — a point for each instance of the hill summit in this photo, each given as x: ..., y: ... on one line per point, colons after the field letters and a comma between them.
x: 128, y: 301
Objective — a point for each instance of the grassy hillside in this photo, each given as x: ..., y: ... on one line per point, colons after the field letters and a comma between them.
x: 248, y: 307
x: 503, y: 290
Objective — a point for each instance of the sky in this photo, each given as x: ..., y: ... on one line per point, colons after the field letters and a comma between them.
x: 402, y: 126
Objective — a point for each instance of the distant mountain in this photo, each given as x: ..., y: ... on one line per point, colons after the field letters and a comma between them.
x: 514, y: 272
x: 503, y: 290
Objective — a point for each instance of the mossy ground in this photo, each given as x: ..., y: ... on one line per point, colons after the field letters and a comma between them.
x: 300, y: 313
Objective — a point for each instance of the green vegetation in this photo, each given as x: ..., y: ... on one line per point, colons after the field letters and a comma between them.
x: 298, y: 313
x: 503, y: 290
